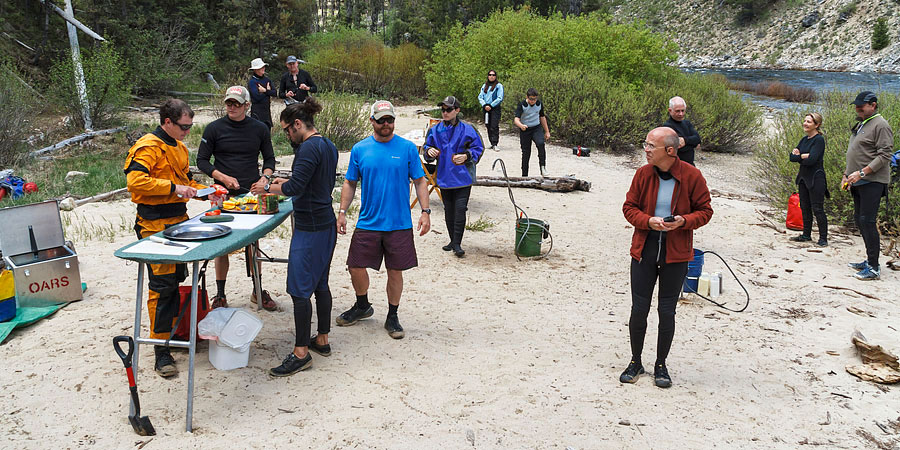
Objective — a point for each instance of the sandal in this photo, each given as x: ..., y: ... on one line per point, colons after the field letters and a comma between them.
x: 267, y: 303
x: 219, y: 301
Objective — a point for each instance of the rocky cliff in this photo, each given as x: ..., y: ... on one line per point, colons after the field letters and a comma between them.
x: 791, y: 34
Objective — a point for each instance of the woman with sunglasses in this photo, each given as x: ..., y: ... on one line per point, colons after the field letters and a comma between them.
x: 810, y: 154
x: 491, y: 97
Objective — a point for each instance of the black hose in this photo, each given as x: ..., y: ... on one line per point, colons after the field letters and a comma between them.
x: 721, y: 305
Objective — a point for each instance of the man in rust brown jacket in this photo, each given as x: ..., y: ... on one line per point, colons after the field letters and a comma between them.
x: 667, y: 201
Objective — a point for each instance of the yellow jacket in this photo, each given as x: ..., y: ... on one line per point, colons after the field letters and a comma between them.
x: 152, y: 169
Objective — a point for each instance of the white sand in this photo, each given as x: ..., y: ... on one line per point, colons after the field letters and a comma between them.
x: 498, y: 353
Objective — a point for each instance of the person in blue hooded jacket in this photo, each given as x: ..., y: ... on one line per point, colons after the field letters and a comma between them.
x: 457, y: 147
x: 491, y: 97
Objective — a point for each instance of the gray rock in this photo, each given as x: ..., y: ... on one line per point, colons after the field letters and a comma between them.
x: 842, y: 17
x: 810, y: 19
x: 67, y: 204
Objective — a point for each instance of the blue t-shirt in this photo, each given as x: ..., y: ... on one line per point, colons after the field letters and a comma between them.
x: 385, y: 169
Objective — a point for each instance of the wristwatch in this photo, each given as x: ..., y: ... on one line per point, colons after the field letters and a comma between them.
x: 268, y: 177
x: 426, y: 211
x: 268, y: 185
x: 862, y: 174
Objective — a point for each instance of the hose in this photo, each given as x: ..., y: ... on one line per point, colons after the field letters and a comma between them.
x: 721, y: 305
x: 519, y: 213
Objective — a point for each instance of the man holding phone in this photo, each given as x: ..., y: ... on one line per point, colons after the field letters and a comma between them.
x: 667, y: 201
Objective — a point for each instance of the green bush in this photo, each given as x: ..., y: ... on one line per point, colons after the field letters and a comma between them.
x: 20, y: 105
x: 880, y: 37
x: 165, y: 57
x: 776, y: 174
x: 511, y: 42
x: 344, y: 119
x: 107, y: 83
x: 356, y: 61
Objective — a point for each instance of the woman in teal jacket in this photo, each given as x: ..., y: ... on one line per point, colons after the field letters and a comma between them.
x: 491, y: 97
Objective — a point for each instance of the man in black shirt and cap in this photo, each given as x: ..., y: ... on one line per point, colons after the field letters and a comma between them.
x: 688, y: 139
x: 296, y: 84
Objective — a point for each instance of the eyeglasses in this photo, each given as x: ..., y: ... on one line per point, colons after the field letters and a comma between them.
x: 232, y: 104
x: 648, y: 146
x: 287, y: 129
x: 446, y: 110
x: 183, y: 127
x: 385, y: 120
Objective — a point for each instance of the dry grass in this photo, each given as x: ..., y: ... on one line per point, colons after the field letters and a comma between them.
x: 775, y: 89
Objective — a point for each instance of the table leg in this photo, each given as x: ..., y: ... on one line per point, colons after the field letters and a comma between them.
x: 137, y: 330
x: 192, y: 349
x: 254, y: 270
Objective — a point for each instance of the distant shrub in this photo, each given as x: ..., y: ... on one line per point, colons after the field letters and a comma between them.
x: 775, y: 89
x: 107, y: 83
x: 880, y: 37
x: 776, y: 174
x: 164, y: 57
x: 344, y: 119
x: 358, y: 62
x: 20, y: 105
x: 511, y: 42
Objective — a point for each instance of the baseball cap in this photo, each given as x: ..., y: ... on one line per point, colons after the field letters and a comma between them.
x: 239, y: 93
x: 291, y: 59
x: 450, y: 101
x: 382, y: 108
x: 864, y: 97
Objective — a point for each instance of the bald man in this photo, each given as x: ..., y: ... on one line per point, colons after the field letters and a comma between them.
x: 688, y: 139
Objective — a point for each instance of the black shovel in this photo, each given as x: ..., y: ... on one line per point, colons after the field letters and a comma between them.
x: 141, y: 425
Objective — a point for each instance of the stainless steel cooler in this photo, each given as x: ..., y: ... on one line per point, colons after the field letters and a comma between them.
x: 34, y: 248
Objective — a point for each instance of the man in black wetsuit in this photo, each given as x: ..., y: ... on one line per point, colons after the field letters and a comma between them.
x: 235, y: 143
x: 688, y: 139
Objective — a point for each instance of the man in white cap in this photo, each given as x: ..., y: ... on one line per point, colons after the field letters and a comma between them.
x: 235, y: 143
x: 385, y: 163
x: 296, y: 84
x: 261, y: 90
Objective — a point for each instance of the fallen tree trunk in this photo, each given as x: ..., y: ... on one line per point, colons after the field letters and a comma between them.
x: 201, y: 94
x: 76, y: 139
x: 552, y: 184
x: 98, y: 197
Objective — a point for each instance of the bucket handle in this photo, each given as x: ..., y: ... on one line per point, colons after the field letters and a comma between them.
x: 545, y: 232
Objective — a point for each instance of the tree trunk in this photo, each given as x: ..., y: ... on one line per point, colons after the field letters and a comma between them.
x: 552, y: 184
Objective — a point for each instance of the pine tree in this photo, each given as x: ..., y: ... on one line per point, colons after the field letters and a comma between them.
x: 880, y: 38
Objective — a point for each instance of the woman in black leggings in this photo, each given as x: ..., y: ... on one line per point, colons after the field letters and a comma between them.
x: 810, y: 154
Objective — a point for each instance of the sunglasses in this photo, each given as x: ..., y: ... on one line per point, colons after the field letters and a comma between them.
x: 183, y: 127
x: 232, y: 104
x: 492, y: 74
x: 446, y: 110
x: 287, y: 129
x: 385, y: 120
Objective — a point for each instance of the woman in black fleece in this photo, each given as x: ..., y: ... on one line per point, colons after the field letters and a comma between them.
x: 810, y: 154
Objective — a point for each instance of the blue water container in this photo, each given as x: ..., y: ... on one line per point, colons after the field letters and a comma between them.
x: 7, y: 309
x: 695, y: 268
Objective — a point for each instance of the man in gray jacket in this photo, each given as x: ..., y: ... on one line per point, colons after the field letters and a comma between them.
x: 867, y: 176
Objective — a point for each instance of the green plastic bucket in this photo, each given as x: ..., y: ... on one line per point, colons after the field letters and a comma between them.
x: 528, y: 236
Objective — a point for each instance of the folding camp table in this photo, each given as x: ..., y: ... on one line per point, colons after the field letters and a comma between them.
x: 208, y: 249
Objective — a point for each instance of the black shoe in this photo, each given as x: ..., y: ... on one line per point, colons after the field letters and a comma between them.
x: 801, y: 238
x: 458, y: 251
x: 165, y: 364
x: 324, y: 350
x: 822, y: 242
x: 631, y: 374
x: 661, y: 376
x: 353, y: 315
x: 447, y: 247
x: 392, y: 325
x: 291, y: 365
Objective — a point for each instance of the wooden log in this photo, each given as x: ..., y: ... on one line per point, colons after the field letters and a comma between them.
x: 200, y: 94
x: 552, y: 184
x: 76, y: 139
x: 98, y: 197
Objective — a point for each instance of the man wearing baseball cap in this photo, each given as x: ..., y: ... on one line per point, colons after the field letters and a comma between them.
x: 235, y: 142
x: 296, y: 84
x: 867, y: 176
x: 384, y: 163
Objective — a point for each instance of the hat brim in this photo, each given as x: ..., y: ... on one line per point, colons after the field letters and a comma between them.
x: 236, y: 98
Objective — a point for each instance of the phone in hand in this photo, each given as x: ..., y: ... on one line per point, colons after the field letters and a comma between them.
x: 669, y: 219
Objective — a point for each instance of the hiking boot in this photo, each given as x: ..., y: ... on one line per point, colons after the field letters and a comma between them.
x: 822, y: 243
x: 165, y: 364
x: 219, y: 301
x: 291, y: 365
x: 267, y: 303
x: 458, y: 251
x: 324, y: 350
x: 801, y: 238
x: 869, y: 273
x: 661, y: 376
x: 859, y: 265
x: 353, y: 315
x: 631, y: 374
x: 447, y: 247
x: 392, y: 325
x: 494, y: 148
x: 544, y: 171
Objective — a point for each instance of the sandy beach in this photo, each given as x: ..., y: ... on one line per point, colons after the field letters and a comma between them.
x: 498, y: 353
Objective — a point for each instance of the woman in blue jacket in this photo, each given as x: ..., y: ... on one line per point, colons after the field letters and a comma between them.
x: 491, y: 96
x: 261, y: 90
x: 457, y: 147
x: 810, y: 154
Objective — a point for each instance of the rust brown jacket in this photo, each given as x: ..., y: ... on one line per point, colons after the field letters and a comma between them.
x: 690, y: 199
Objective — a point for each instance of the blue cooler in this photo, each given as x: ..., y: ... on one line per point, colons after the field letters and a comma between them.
x: 695, y: 268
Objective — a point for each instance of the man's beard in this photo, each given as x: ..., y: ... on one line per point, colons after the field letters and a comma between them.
x: 385, y: 131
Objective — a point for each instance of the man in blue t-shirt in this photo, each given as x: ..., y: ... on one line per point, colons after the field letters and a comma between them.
x: 384, y: 163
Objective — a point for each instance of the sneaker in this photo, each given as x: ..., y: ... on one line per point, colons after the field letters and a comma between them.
x: 458, y: 251
x: 801, y: 238
x: 859, y: 265
x: 869, y: 273
x: 392, y: 325
x: 267, y: 303
x: 822, y: 243
x: 353, y: 315
x: 631, y: 374
x: 661, y: 376
x: 165, y: 364
x: 219, y: 301
x: 447, y: 247
x: 324, y: 350
x: 544, y: 171
x: 494, y: 148
x: 291, y: 365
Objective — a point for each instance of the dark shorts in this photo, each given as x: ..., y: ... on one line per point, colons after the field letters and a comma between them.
x: 368, y: 248
x: 309, y: 261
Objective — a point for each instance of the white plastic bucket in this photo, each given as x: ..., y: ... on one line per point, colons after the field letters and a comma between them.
x: 240, y: 329
x: 223, y: 357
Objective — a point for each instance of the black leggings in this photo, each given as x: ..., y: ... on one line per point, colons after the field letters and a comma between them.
x: 493, y: 125
x: 643, y: 279
x: 456, y: 203
x: 303, y: 316
x: 536, y: 134
x: 866, y: 200
x: 812, y: 202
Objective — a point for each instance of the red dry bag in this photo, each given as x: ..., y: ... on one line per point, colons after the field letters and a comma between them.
x: 794, y: 214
